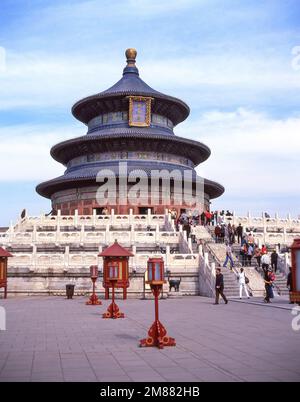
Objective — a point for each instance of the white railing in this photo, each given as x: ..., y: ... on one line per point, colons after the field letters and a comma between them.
x: 185, y: 261
x: 94, y: 220
x: 172, y: 261
x: 42, y: 261
x: 99, y: 237
x: 261, y: 222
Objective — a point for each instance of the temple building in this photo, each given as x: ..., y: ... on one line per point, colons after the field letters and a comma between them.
x: 129, y: 141
x: 128, y: 125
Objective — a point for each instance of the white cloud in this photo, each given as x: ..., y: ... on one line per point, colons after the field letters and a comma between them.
x: 2, y: 60
x: 250, y: 150
x: 24, y: 151
x: 38, y: 79
x: 252, y: 154
x: 223, y: 69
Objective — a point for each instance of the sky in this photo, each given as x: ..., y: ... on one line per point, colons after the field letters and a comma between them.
x: 235, y: 63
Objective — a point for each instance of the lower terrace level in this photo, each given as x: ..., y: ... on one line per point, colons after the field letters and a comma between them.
x: 54, y: 339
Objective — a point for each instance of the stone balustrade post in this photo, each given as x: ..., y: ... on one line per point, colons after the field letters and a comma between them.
x: 206, y: 258
x: 94, y: 217
x: 148, y: 216
x: 131, y: 220
x: 33, y: 258
x: 34, y: 233
x: 200, y: 250
x: 75, y: 217
x: 180, y: 228
x: 190, y: 245
x: 135, y: 256
x: 100, y: 260
x: 132, y: 235
x: 132, y: 260
x: 112, y: 216
x: 58, y: 216
x: 57, y: 233
x: 157, y: 239
x: 167, y: 256
x: 107, y: 235
x: 82, y: 234
x: 66, y: 258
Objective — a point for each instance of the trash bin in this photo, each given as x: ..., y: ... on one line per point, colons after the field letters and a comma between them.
x: 70, y: 291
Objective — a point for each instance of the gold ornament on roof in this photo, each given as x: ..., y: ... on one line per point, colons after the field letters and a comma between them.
x: 131, y: 56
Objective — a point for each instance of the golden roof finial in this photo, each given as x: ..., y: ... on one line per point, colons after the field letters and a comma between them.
x: 130, y: 56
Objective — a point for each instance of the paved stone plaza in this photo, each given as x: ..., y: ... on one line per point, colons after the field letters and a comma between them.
x: 54, y: 339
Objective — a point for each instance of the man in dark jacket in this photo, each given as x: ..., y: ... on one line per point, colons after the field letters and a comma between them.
x: 274, y: 260
x: 220, y: 286
x: 239, y: 232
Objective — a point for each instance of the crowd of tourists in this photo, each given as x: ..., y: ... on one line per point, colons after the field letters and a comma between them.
x: 249, y: 250
x: 204, y: 218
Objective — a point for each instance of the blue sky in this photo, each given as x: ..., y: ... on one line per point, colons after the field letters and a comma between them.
x: 237, y: 65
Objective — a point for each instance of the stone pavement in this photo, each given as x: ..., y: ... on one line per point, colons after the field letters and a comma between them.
x: 54, y: 339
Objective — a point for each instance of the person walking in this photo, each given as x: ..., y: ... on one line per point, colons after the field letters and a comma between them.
x: 274, y: 260
x: 249, y: 255
x: 243, y: 254
x: 268, y: 285
x: 239, y: 232
x: 220, y: 286
x: 218, y: 234
x: 228, y: 257
x: 242, y: 283
x: 232, y: 240
x: 257, y: 255
x: 250, y: 240
x: 208, y: 217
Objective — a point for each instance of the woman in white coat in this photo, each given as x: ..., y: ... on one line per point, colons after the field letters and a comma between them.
x: 242, y: 283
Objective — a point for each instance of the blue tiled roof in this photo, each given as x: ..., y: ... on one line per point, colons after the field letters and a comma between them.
x: 129, y: 84
x: 73, y: 177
